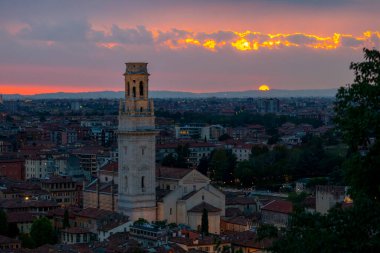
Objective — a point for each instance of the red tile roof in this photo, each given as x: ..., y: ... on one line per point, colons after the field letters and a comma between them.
x: 279, y: 206
x: 174, y: 173
x: 21, y: 217
x: 111, y: 166
x: 94, y: 213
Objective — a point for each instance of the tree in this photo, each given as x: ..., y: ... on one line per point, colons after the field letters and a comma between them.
x: 357, y: 105
x: 3, y: 223
x: 42, y: 232
x: 354, y: 229
x: 66, y: 220
x: 141, y: 221
x: 245, y: 173
x: 266, y: 231
x: 26, y: 241
x: 219, y: 164
x: 357, y: 109
x: 204, y: 225
x: 13, y: 230
x: 224, y: 137
x: 179, y: 159
x: 258, y: 150
x: 223, y: 164
x: 203, y: 165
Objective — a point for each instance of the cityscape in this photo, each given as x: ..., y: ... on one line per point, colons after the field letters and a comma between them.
x: 181, y: 152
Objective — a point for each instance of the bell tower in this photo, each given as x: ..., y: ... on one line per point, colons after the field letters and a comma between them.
x: 137, y: 146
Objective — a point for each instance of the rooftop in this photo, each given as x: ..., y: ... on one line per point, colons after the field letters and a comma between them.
x: 199, y: 208
x: 279, y: 206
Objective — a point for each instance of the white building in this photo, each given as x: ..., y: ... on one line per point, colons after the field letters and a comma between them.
x: 136, y: 145
x: 183, y: 195
x: 37, y: 167
x: 242, y: 152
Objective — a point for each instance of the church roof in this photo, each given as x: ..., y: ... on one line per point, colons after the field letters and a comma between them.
x: 189, y: 195
x: 173, y: 173
x: 199, y: 208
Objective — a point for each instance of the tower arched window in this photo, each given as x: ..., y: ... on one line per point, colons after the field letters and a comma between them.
x: 134, y: 91
x: 128, y: 89
x: 141, y: 88
x: 142, y: 183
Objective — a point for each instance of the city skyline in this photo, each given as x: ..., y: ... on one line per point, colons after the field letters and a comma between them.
x: 50, y: 46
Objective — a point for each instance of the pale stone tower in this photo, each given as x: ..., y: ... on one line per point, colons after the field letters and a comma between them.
x: 136, y: 141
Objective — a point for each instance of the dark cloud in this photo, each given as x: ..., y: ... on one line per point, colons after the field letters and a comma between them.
x: 68, y: 31
x: 138, y: 35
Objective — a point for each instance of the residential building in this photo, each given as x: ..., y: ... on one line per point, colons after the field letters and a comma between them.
x: 277, y: 212
x: 62, y: 189
x: 327, y: 196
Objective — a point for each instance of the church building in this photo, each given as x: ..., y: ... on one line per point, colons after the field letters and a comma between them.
x: 142, y: 188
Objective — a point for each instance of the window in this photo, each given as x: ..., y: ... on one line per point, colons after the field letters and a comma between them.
x: 142, y: 151
x: 134, y: 91
x: 141, y: 89
x: 143, y: 183
x: 171, y: 211
x: 128, y: 89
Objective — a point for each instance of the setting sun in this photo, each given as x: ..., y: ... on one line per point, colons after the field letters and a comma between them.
x: 264, y: 87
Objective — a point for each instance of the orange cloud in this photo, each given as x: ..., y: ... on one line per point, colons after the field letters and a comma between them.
x: 253, y: 41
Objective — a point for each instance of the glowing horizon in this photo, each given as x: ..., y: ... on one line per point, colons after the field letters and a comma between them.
x: 73, y: 46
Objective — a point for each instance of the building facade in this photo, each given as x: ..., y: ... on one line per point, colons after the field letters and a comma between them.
x: 136, y: 143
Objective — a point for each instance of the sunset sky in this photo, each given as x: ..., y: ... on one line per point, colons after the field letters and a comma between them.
x: 195, y: 45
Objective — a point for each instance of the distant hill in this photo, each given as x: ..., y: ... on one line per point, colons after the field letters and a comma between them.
x: 180, y: 94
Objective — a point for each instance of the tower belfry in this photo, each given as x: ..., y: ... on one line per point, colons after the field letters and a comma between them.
x: 136, y: 143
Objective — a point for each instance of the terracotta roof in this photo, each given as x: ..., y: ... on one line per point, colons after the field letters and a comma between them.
x: 5, y: 239
x: 207, y: 240
x: 239, y: 220
x: 248, y: 239
x: 111, y: 166
x: 19, y: 203
x: 111, y: 225
x: 174, y: 173
x: 103, y: 188
x: 94, y: 213
x: 279, y: 206
x: 57, y: 179
x: 240, y: 201
x: 233, y: 211
x: 21, y: 217
x: 199, y: 208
